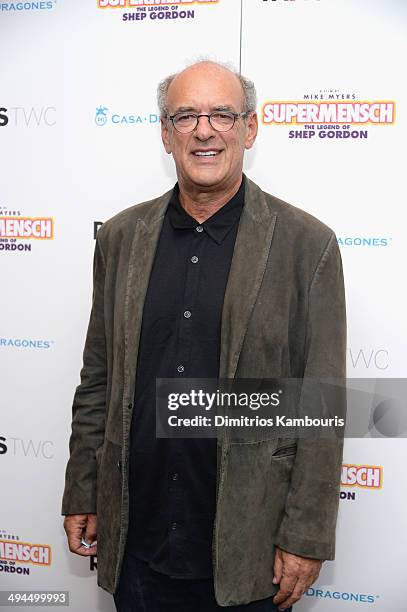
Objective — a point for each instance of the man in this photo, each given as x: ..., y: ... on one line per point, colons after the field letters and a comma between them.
x: 215, y: 277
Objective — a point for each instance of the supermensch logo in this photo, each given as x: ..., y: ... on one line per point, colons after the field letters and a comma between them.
x: 17, y: 557
x: 16, y: 231
x: 135, y: 3
x: 26, y: 227
x: 156, y: 10
x: 329, y: 112
x: 25, y: 552
x: 362, y: 476
x: 332, y: 116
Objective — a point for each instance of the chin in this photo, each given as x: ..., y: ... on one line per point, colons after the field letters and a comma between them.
x: 206, y: 178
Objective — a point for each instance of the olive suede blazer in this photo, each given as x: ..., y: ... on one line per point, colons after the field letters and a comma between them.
x: 283, y: 315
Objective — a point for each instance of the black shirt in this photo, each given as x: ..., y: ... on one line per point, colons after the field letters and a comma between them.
x: 172, y: 482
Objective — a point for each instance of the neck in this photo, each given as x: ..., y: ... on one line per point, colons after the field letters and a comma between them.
x: 203, y: 204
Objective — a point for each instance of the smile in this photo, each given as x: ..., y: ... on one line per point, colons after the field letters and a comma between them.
x: 206, y: 153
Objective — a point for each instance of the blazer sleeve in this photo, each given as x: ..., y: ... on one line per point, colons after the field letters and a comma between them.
x: 309, y: 521
x: 89, y: 404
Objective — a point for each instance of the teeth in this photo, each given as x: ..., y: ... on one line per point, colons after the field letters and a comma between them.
x: 205, y: 153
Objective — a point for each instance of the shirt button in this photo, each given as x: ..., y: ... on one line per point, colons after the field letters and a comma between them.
x: 194, y: 259
x: 180, y: 368
x: 199, y: 228
x: 174, y: 476
x: 187, y: 314
x: 174, y: 526
x: 130, y: 406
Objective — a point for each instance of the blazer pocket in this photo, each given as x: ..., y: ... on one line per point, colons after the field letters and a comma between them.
x: 285, y: 451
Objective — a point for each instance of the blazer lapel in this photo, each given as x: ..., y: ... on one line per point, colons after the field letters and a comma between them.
x: 252, y: 246
x: 142, y: 253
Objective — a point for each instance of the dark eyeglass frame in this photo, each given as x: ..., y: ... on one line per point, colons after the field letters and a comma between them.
x: 197, y: 117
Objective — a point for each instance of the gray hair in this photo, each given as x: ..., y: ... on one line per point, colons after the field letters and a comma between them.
x: 249, y: 90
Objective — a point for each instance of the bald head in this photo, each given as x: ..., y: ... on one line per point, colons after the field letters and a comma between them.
x: 204, y: 70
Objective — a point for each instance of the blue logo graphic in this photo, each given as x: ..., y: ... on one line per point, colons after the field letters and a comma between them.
x: 27, y: 6
x: 26, y: 343
x: 364, y: 241
x: 101, y: 116
x: 104, y: 116
x: 342, y: 595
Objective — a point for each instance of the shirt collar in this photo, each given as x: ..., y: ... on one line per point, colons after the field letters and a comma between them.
x: 218, y: 225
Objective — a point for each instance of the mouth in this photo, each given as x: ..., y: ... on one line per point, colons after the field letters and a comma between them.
x: 206, y: 153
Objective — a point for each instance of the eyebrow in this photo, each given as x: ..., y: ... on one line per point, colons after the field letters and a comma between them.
x: 219, y: 107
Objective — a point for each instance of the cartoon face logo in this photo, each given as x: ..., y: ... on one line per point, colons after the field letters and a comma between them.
x: 101, y: 116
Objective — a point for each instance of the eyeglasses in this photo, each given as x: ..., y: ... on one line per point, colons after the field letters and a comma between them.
x: 221, y: 121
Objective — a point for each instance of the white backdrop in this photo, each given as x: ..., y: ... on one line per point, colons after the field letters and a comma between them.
x: 79, y: 141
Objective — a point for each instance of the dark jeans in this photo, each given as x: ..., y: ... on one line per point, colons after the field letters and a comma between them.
x: 141, y: 589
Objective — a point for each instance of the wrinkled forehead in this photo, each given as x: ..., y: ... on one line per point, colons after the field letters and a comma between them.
x: 205, y: 89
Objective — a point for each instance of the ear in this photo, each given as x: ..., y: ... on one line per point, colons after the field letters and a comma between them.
x: 252, y: 127
x: 166, y: 134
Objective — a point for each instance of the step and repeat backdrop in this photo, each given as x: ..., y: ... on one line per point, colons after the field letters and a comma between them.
x: 80, y: 141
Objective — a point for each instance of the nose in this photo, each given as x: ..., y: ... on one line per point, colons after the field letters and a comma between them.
x: 203, y: 130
